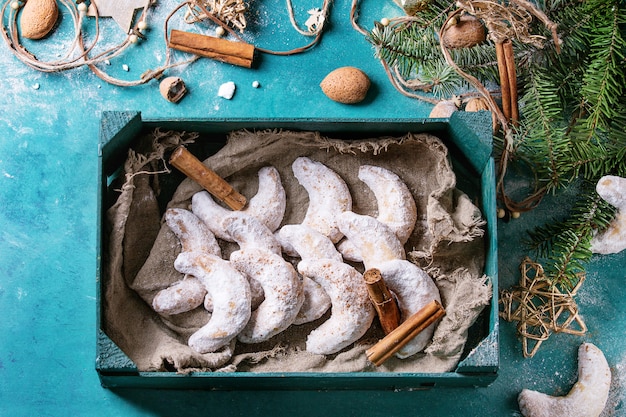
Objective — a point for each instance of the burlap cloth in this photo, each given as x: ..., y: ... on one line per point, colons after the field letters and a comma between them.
x: 447, y: 242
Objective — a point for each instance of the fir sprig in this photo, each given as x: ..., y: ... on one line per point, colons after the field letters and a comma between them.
x: 564, y: 246
x: 414, y: 52
x: 572, y: 103
x: 604, y: 80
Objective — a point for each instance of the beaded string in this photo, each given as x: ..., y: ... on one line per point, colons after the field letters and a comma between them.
x: 78, y: 12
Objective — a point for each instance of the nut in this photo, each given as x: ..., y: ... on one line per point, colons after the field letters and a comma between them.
x: 476, y: 104
x: 38, y: 17
x: 173, y: 89
x: 348, y: 85
x: 467, y: 32
x: 479, y: 104
x: 444, y: 109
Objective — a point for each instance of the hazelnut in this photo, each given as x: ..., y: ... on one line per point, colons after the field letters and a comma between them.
x: 38, y: 17
x: 467, y: 32
x: 173, y: 89
x: 346, y: 85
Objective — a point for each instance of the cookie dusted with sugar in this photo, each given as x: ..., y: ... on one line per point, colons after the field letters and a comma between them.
x: 230, y: 293
x: 329, y: 196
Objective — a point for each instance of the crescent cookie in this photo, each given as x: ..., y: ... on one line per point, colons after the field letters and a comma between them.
x: 612, y: 189
x: 194, y: 236
x: 230, y: 293
x: 413, y: 289
x: 329, y: 196
x: 307, y: 243
x: 373, y: 240
x: 282, y: 288
x: 249, y: 232
x: 352, y: 312
x: 588, y: 396
x: 395, y: 203
x: 192, y: 232
x: 211, y: 213
x: 269, y: 203
x: 316, y: 302
x: 182, y: 296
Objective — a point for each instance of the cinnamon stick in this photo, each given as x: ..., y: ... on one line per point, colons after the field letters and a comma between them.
x: 509, y: 58
x: 384, y: 303
x: 505, y: 88
x: 209, y: 180
x: 404, y: 333
x: 232, y: 52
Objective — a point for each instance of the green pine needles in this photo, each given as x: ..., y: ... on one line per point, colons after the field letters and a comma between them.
x: 563, y: 247
x: 412, y: 49
x: 572, y: 102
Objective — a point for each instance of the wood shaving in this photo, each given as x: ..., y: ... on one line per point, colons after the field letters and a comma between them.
x: 230, y: 12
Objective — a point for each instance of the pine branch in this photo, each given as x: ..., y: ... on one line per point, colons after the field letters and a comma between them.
x: 565, y: 246
x: 407, y: 48
x: 414, y: 51
x: 605, y: 78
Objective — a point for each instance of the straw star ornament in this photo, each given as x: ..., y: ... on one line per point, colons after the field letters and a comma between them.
x: 122, y: 11
x: 540, y: 308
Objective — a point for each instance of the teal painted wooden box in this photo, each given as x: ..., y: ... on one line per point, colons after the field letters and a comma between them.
x: 468, y: 138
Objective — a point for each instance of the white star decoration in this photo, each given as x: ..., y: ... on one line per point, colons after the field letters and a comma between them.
x: 613, y: 240
x: 122, y: 11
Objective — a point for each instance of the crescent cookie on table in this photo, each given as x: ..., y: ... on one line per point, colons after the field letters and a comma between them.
x: 352, y: 312
x: 395, y: 204
x: 230, y: 293
x: 192, y: 232
x: 588, y: 396
x: 305, y: 242
x: 328, y: 193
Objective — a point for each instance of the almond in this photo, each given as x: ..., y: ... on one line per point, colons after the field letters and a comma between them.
x: 38, y: 17
x: 346, y: 85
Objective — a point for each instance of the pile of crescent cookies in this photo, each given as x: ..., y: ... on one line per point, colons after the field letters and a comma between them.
x: 256, y: 293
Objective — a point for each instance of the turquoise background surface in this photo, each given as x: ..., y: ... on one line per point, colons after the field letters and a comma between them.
x: 49, y: 125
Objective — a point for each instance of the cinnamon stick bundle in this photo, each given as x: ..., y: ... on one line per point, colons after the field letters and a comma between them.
x: 209, y: 180
x: 509, y: 58
x: 405, y: 332
x: 231, y: 52
x: 508, y: 79
x: 384, y: 303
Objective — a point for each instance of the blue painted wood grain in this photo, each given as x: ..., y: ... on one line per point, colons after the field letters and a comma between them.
x: 48, y: 189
